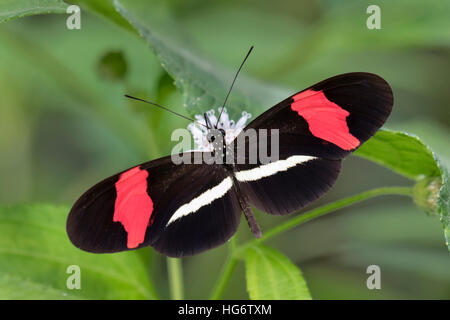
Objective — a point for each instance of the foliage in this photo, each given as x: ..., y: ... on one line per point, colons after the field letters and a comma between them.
x: 34, y: 238
x: 270, y: 275
x: 12, y: 9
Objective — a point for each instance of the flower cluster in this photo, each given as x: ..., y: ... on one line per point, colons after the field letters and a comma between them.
x: 232, y: 128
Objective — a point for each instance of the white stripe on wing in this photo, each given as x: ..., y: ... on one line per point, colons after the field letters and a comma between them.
x: 269, y: 169
x: 204, y: 199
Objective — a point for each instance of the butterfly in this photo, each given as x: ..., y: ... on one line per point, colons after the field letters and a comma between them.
x: 184, y: 209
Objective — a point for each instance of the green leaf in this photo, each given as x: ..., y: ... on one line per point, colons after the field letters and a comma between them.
x: 272, y: 276
x: 16, y: 288
x: 203, y: 83
x: 12, y: 9
x: 444, y: 205
x: 401, y: 152
x: 104, y: 8
x: 34, y: 247
x: 407, y: 155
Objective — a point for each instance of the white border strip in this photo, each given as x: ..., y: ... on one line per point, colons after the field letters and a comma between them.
x: 205, y: 198
x: 269, y: 169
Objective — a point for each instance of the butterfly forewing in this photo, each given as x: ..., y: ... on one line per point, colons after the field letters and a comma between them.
x: 317, y: 127
x: 331, y: 118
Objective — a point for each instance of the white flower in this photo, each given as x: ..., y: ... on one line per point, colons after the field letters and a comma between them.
x: 232, y: 129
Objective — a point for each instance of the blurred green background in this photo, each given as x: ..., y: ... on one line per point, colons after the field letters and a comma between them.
x: 65, y: 125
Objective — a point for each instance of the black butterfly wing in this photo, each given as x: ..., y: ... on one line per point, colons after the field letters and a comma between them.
x: 287, y: 185
x: 331, y: 118
x: 178, y: 209
x: 317, y: 128
x: 201, y: 211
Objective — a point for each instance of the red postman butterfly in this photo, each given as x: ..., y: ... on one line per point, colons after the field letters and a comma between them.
x: 184, y: 209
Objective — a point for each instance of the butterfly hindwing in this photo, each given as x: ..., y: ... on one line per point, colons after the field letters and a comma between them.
x: 287, y: 185
x: 134, y: 209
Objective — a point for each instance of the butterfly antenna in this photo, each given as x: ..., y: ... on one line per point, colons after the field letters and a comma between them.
x: 207, y: 121
x: 164, y: 108
x: 232, y: 84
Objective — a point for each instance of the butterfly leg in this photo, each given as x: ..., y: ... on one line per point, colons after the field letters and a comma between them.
x: 252, y: 223
x: 245, y: 206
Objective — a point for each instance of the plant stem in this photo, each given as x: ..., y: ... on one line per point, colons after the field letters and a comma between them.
x: 228, y: 269
x: 175, y: 271
x: 230, y: 264
x: 317, y: 212
x: 236, y: 252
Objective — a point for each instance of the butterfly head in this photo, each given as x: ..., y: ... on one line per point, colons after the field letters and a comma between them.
x: 215, y: 135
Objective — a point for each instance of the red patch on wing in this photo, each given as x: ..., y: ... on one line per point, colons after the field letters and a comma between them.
x: 133, y: 207
x: 326, y: 120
